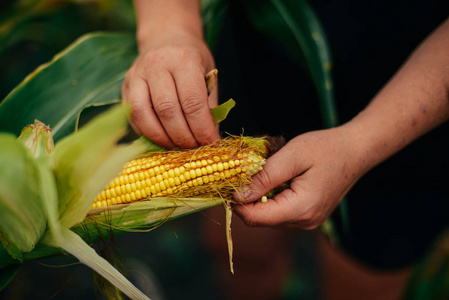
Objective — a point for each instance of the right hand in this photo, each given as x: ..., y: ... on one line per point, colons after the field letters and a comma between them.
x: 321, y: 167
x: 167, y: 91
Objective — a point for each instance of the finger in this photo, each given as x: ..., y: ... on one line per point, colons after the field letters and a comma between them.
x: 143, y: 117
x: 168, y: 109
x: 258, y: 213
x: 279, y: 168
x: 287, y: 208
x: 277, y: 211
x: 192, y: 92
x: 125, y: 97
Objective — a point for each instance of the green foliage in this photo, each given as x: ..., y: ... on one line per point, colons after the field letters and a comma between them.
x: 31, y: 32
x: 430, y: 277
x: 294, y: 26
x: 88, y: 72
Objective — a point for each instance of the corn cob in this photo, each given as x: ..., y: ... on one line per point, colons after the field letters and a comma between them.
x: 215, y: 170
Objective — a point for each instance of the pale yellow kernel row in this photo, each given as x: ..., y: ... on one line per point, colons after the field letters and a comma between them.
x: 157, y: 186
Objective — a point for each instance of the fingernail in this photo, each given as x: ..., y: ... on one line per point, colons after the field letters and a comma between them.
x: 243, y: 193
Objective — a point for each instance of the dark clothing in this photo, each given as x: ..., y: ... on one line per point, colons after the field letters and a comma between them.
x: 398, y: 208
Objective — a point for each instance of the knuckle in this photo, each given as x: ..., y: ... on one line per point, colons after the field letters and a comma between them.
x: 178, y: 53
x: 137, y: 113
x: 153, y: 57
x: 165, y: 109
x: 182, y: 142
x: 205, y: 135
x: 158, y: 138
x: 192, y: 104
x: 184, y: 53
x: 262, y: 180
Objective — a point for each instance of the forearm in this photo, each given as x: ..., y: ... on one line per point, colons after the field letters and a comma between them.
x: 157, y: 17
x: 414, y: 101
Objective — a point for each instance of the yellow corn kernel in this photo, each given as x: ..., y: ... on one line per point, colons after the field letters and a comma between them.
x: 209, y: 169
x: 131, y: 178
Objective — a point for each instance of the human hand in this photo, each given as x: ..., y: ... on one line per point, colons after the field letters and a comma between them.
x: 322, y: 166
x: 167, y: 91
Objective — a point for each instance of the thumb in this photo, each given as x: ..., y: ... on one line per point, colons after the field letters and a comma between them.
x: 278, y: 169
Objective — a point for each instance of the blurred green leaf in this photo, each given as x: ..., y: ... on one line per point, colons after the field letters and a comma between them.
x: 213, y: 12
x: 33, y: 31
x: 430, y: 277
x: 89, y: 71
x: 294, y: 26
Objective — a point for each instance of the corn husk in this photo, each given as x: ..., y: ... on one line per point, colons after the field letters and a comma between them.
x: 46, y: 195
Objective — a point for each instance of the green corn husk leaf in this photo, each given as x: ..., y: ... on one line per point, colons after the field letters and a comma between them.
x: 22, y: 216
x: 75, y: 245
x: 25, y: 219
x: 220, y: 112
x: 85, y: 162
x: 143, y: 215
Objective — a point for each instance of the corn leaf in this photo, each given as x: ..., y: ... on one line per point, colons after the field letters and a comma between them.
x: 86, y: 161
x: 72, y: 243
x: 143, y: 215
x: 294, y: 26
x: 213, y: 12
x: 89, y: 71
x: 220, y: 112
x: 81, y: 175
x: 22, y: 216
